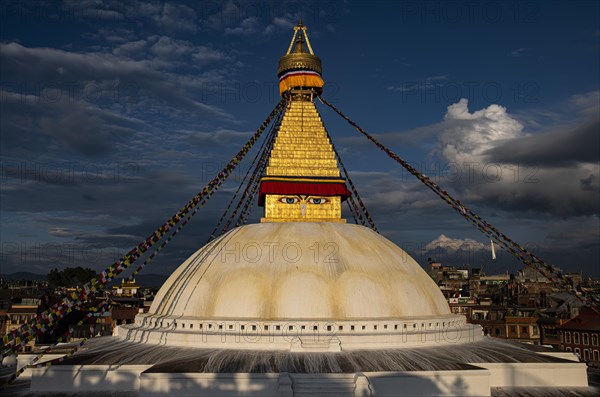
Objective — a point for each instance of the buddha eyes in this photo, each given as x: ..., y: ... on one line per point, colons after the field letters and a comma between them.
x: 289, y: 200
x: 311, y: 200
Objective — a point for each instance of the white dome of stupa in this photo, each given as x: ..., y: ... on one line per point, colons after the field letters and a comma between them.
x: 297, y: 270
x: 300, y: 286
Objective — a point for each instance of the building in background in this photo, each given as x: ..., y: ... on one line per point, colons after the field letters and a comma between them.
x: 581, y: 335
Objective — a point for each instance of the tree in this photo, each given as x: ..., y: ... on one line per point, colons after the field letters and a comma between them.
x: 69, y: 277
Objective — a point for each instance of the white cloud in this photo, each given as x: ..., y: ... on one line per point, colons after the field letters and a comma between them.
x: 269, y: 29
x: 467, y: 136
x: 168, y: 49
x: 146, y: 79
x: 587, y: 103
x: 219, y: 137
x: 283, y: 23
x: 427, y: 84
x: 518, y: 52
x: 60, y: 232
x: 36, y: 123
x: 176, y: 17
x: 166, y: 52
x: 204, y: 55
x: 279, y: 23
x: 502, y: 167
x: 131, y: 49
x: 247, y: 27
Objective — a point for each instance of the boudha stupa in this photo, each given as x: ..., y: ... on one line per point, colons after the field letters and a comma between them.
x: 304, y: 303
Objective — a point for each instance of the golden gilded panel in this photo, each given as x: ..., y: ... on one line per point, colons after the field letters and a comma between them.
x: 305, y: 154
x: 300, y: 118
x: 295, y: 162
x: 292, y: 142
x: 302, y: 147
x: 318, y: 136
x: 302, y: 171
x: 296, y: 128
x: 299, y: 149
x: 307, y: 129
x: 302, y: 208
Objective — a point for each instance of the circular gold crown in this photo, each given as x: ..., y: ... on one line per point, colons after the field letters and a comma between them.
x: 299, y: 61
x: 301, y: 57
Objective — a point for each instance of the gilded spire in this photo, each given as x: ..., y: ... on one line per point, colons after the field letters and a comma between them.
x: 299, y: 45
x: 302, y: 182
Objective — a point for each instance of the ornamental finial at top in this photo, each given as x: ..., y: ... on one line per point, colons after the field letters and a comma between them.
x: 300, y: 67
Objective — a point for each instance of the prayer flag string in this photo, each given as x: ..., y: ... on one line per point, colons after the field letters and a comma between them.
x: 18, y: 338
x: 528, y: 258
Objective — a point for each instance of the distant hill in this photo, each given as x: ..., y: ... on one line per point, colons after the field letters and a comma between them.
x: 145, y: 280
x: 18, y: 276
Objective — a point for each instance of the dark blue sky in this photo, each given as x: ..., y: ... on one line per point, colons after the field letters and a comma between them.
x: 113, y: 114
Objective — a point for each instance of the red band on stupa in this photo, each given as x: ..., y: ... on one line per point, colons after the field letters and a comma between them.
x: 316, y: 188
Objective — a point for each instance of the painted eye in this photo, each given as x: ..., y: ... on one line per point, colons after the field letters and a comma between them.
x: 289, y: 200
x: 314, y: 200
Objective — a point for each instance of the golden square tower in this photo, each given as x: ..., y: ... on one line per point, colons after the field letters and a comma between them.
x: 302, y: 182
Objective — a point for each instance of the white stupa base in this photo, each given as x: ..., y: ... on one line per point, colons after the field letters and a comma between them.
x: 482, y: 368
x: 422, y: 383
x: 25, y: 359
x: 96, y: 378
x: 300, y: 335
x: 477, y: 381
